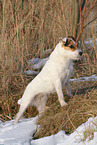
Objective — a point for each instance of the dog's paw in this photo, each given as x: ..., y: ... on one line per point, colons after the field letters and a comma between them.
x: 63, y: 104
x: 70, y: 95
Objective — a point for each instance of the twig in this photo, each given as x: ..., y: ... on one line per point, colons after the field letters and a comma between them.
x: 89, y: 22
x: 70, y: 121
x: 92, y: 6
x: 83, y: 16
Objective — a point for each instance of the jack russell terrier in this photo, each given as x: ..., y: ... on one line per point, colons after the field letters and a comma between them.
x: 55, y: 74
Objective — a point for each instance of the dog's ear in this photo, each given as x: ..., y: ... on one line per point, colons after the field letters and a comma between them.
x: 63, y: 40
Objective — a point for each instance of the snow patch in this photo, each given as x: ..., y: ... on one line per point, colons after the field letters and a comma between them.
x: 21, y: 134
x: 50, y: 140
x: 82, y: 79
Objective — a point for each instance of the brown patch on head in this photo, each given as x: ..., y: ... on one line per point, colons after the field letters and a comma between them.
x: 70, y: 44
x: 72, y: 38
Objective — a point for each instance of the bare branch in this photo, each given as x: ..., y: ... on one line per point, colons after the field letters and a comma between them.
x: 92, y: 6
x: 89, y: 22
x: 83, y: 16
x: 84, y: 8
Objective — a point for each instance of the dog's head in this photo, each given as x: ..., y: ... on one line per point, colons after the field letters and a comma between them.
x: 69, y: 48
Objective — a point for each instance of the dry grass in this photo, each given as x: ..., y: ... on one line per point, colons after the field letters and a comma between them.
x: 68, y: 118
x: 27, y: 28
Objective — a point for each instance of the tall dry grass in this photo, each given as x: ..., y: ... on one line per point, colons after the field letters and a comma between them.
x: 27, y: 28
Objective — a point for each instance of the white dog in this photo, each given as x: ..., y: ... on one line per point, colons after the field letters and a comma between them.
x: 52, y: 77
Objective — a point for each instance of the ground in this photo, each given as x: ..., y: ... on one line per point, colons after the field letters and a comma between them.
x: 81, y: 107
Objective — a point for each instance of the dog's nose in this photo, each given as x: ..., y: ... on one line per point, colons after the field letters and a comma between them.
x: 80, y: 53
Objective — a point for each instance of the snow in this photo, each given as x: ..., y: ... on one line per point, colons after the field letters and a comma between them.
x: 90, y: 42
x: 18, y: 134
x: 50, y: 140
x: 82, y: 79
x: 21, y: 134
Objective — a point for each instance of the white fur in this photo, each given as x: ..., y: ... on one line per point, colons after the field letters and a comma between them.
x: 53, y: 76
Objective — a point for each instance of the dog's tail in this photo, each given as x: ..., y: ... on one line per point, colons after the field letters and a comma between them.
x: 19, y: 101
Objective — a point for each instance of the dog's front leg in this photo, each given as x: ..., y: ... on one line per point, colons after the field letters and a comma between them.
x: 58, y: 88
x: 68, y: 89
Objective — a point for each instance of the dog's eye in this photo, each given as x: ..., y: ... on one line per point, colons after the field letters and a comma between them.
x: 71, y: 46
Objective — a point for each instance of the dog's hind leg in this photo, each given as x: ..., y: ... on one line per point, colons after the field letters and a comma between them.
x: 21, y: 111
x: 40, y: 102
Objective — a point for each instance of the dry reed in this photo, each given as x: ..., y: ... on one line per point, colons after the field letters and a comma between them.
x: 27, y: 28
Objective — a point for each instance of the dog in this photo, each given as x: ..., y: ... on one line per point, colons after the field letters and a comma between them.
x: 55, y: 74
